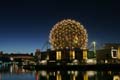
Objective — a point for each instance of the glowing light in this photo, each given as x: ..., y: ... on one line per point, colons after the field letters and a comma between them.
x: 114, y: 53
x: 116, y: 77
x: 58, y: 55
x: 91, y: 73
x: 72, y: 54
x: 68, y: 34
x: 43, y: 73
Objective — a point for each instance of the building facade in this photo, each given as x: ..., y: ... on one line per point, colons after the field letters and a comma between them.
x: 64, y: 55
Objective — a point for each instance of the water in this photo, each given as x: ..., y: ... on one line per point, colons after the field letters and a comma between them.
x: 18, y: 73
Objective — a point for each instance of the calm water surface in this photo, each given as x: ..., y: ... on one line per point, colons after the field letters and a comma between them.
x: 18, y: 73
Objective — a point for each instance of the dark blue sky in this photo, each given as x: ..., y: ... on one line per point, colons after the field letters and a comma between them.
x: 25, y: 24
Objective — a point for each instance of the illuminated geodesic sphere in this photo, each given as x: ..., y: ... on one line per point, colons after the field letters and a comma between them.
x: 68, y: 34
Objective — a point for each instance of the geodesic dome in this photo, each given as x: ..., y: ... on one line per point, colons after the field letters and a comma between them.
x: 68, y: 34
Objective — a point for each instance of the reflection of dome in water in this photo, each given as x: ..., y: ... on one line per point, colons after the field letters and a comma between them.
x: 68, y: 34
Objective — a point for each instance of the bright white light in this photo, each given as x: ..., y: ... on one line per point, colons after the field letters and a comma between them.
x: 114, y: 53
x: 44, y: 62
x: 91, y: 61
x: 91, y: 73
x: 43, y: 73
x: 94, y: 42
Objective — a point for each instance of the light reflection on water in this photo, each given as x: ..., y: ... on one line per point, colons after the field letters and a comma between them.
x: 18, y: 73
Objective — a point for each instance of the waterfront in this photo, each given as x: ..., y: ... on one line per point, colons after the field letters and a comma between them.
x: 18, y: 73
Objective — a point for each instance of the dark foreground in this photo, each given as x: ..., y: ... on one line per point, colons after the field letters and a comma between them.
x: 74, y: 67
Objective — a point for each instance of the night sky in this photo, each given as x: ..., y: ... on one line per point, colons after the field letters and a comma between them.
x: 25, y: 24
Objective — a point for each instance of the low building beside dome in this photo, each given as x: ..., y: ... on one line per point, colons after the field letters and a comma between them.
x: 64, y: 56
x: 110, y: 54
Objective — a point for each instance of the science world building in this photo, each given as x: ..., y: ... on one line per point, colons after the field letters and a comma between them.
x: 68, y: 40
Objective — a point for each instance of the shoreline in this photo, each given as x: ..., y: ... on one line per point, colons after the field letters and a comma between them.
x: 74, y: 67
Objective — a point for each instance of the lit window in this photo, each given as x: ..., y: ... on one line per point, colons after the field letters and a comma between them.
x: 84, y: 54
x: 58, y: 55
x: 72, y: 54
x: 114, y: 53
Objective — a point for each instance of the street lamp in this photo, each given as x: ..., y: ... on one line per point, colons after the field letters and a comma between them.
x: 94, y: 48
